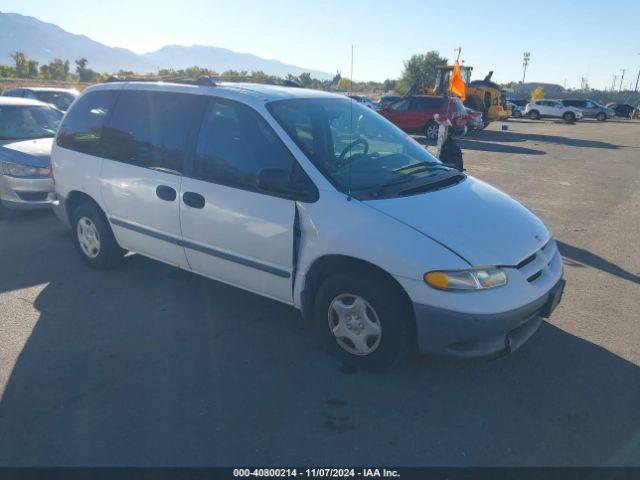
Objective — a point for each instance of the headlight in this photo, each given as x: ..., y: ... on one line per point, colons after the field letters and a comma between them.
x: 464, y: 280
x: 17, y: 170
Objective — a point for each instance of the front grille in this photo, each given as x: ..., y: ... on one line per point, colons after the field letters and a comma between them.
x: 534, y: 266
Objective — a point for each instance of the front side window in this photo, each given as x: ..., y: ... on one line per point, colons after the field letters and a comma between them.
x: 400, y: 106
x: 83, y: 125
x: 235, y: 144
x: 357, y: 149
x: 22, y: 122
x: 151, y: 129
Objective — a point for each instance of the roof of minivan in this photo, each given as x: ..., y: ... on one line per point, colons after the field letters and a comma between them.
x: 241, y: 91
x: 21, y: 101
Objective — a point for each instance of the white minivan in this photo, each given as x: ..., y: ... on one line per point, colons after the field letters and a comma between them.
x: 310, y: 199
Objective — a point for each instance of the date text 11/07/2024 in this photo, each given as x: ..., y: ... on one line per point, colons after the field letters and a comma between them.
x: 316, y: 472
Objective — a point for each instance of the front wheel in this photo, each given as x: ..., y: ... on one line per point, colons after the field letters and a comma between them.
x: 569, y: 117
x: 517, y: 114
x: 94, y: 239
x: 534, y: 115
x: 364, y: 320
x: 601, y: 117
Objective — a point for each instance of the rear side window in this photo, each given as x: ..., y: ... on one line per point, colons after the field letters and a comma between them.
x: 425, y: 103
x: 82, y: 127
x: 235, y: 143
x: 151, y: 129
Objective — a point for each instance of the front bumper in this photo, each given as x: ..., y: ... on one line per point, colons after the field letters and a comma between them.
x: 26, y: 192
x: 462, y: 335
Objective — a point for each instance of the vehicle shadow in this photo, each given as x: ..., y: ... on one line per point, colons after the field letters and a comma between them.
x: 149, y: 365
x: 510, y: 136
x: 581, y: 257
x: 480, y: 143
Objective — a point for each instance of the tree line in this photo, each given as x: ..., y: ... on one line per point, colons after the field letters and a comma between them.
x: 419, y: 70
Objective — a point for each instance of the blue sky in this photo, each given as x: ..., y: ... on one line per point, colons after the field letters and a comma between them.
x: 567, y: 39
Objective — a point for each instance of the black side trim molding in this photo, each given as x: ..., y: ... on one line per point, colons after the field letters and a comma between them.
x: 202, y: 249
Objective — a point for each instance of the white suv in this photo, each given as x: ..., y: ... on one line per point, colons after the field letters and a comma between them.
x: 552, y: 108
x: 310, y: 199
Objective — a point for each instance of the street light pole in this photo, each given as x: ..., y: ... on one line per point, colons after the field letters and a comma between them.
x: 525, y: 62
x: 637, y: 79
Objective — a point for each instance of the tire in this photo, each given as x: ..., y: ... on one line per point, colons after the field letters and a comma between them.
x: 431, y: 130
x: 601, y: 117
x: 94, y: 238
x: 517, y: 114
x: 569, y: 117
x: 342, y: 301
x: 534, y: 114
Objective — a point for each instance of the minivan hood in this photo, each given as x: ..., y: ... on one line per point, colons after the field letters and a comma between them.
x: 477, y: 221
x: 33, y: 153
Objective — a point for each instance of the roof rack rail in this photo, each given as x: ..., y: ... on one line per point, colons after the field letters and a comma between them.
x: 200, y: 81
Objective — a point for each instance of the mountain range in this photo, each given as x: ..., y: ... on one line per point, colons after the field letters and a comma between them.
x: 44, y: 41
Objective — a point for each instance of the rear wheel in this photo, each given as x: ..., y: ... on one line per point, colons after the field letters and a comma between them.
x: 94, y: 239
x: 364, y: 319
x: 601, y: 117
x: 569, y: 117
x: 534, y: 114
x: 431, y: 130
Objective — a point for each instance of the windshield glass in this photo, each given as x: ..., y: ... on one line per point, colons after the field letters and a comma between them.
x: 22, y: 122
x: 62, y: 100
x: 354, y: 147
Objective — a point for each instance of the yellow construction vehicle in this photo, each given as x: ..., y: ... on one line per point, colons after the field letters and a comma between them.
x: 482, y: 95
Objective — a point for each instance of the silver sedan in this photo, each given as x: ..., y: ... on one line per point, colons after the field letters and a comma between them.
x: 27, y: 128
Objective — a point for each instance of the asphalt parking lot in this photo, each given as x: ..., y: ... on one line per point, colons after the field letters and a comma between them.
x: 148, y: 365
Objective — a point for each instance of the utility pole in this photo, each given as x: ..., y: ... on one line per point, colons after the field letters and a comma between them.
x: 525, y: 62
x: 621, y: 79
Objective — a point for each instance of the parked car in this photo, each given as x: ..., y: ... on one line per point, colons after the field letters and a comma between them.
x: 590, y: 108
x: 27, y: 128
x: 387, y: 100
x: 520, y: 102
x: 552, y: 108
x: 475, y: 121
x: 623, y: 110
x: 275, y: 190
x: 60, y: 98
x: 416, y: 114
x: 517, y: 111
x: 366, y: 101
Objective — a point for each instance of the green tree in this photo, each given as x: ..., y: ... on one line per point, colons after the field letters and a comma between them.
x: 21, y: 62
x: 86, y: 74
x: 55, y: 70
x: 420, y: 71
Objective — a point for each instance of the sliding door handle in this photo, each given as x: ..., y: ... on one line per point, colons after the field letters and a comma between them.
x: 193, y: 199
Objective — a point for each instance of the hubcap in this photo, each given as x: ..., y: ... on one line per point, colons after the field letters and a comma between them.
x: 432, y: 131
x: 355, y: 324
x: 88, y: 237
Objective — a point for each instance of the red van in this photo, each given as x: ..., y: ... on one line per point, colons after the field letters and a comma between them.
x: 415, y: 113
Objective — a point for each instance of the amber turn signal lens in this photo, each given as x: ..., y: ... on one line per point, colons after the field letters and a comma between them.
x: 437, y: 279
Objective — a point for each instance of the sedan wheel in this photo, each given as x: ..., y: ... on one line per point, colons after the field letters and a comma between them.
x: 432, y: 131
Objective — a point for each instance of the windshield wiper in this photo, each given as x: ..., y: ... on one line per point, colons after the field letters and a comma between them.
x: 421, y: 166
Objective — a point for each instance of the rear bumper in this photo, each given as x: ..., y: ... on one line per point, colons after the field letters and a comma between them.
x: 462, y: 335
x: 26, y: 193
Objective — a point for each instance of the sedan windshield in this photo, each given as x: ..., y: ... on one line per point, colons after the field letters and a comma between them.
x: 357, y: 149
x: 22, y: 122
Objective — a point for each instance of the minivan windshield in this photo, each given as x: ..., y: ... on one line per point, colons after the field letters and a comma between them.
x: 357, y: 149
x: 23, y: 122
